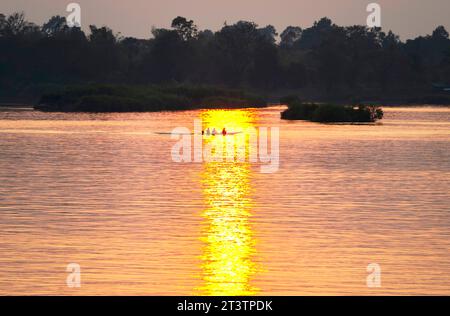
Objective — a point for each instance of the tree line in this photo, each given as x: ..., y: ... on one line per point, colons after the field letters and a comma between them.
x: 322, y: 60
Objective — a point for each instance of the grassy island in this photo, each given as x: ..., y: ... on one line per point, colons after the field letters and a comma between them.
x: 330, y: 113
x: 127, y: 98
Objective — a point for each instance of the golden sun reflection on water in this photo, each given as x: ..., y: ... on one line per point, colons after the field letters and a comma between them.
x: 102, y: 191
x: 229, y: 245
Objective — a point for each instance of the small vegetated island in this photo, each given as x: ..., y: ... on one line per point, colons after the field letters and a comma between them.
x: 330, y: 113
x: 146, y: 98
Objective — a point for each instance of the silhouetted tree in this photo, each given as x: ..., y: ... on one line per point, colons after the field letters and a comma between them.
x: 187, y: 30
x: 55, y: 26
x: 440, y: 33
x: 290, y: 35
x: 324, y: 60
x: 16, y: 25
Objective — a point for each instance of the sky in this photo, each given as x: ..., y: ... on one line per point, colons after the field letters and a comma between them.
x: 407, y: 18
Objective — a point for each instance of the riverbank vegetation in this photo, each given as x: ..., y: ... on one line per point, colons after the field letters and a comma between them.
x: 323, y: 62
x: 330, y: 113
x: 134, y: 98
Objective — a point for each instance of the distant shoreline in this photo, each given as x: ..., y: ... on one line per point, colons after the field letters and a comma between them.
x: 16, y: 106
x: 245, y: 102
x: 28, y: 107
x: 12, y: 105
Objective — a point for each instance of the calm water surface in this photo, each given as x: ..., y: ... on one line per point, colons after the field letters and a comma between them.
x: 101, y: 190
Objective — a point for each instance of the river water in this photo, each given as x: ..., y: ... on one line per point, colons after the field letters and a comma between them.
x: 104, y: 192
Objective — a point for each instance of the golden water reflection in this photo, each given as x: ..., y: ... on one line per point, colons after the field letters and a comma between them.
x: 228, y: 259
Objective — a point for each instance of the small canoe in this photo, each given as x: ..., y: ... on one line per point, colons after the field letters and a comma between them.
x: 218, y: 134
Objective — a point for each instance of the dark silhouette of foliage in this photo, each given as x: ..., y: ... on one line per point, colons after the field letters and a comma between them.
x: 126, y: 98
x: 330, y: 113
x: 290, y: 36
x: 187, y: 30
x: 324, y: 62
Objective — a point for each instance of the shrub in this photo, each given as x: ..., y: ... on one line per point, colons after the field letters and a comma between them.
x: 330, y: 113
x: 122, y: 98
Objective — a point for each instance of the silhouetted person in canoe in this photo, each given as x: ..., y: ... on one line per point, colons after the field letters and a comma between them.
x: 214, y: 132
x: 224, y: 132
x: 208, y: 132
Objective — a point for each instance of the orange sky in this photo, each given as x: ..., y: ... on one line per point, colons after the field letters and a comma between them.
x: 408, y: 18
